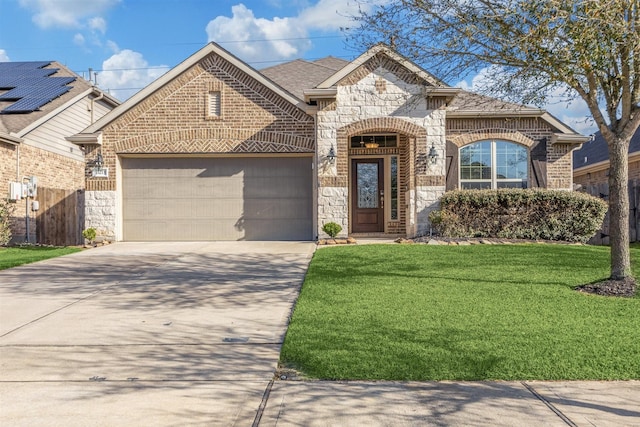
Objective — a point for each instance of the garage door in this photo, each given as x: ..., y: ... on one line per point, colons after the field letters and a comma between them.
x: 243, y: 198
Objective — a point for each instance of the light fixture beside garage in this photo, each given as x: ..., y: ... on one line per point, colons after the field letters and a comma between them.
x: 97, y: 167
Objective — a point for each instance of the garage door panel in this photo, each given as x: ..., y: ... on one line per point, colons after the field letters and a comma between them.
x: 217, y: 198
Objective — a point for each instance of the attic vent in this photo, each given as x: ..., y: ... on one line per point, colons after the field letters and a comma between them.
x: 214, y: 104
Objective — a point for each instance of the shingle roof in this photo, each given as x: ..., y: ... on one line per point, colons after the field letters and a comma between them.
x: 298, y: 75
x: 596, y: 151
x: 13, y: 123
x: 470, y: 101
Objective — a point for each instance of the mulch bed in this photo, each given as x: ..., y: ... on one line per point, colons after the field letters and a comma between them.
x: 611, y: 288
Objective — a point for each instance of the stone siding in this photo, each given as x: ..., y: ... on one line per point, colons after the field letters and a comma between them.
x: 100, y: 213
x: 382, y: 96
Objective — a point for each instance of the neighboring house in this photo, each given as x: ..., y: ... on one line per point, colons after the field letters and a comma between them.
x: 216, y: 150
x: 591, y: 175
x: 42, y: 103
x: 591, y: 161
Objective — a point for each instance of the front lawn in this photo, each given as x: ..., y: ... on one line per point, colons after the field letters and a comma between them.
x: 485, y: 312
x: 18, y: 255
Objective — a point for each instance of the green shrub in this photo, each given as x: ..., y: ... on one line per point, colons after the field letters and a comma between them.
x: 332, y: 229
x: 6, y: 211
x: 519, y: 214
x: 89, y: 234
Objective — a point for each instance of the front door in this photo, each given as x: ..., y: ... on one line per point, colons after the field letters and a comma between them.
x: 367, y: 195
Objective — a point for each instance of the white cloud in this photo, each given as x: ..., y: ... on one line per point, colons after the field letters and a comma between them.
x: 280, y: 38
x: 331, y: 15
x: 78, y: 39
x: 258, y: 39
x: 66, y: 13
x: 98, y: 24
x: 126, y: 72
x: 4, y: 57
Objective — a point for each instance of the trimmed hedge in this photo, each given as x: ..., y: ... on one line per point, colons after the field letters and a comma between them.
x: 519, y: 214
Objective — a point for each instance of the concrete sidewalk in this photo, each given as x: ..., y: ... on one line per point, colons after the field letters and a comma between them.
x: 321, y: 403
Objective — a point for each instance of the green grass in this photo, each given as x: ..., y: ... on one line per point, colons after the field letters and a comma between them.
x: 14, y: 256
x: 499, y: 312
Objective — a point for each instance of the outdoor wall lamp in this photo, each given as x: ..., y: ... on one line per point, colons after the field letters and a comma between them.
x: 433, y: 155
x: 98, y: 162
x: 331, y: 156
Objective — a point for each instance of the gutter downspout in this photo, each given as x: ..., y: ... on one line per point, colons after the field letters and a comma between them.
x: 93, y: 100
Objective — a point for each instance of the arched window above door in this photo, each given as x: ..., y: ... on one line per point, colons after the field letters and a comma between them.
x: 494, y: 164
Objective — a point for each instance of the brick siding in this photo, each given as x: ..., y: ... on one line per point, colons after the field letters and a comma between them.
x: 52, y: 170
x: 175, y: 119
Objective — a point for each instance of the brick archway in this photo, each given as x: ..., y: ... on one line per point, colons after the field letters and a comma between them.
x: 492, y: 134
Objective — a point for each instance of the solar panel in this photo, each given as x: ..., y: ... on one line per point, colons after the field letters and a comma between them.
x: 17, y: 93
x: 36, y: 89
x: 31, y: 85
x: 26, y: 105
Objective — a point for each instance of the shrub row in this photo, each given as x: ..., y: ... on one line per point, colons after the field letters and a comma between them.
x: 519, y: 214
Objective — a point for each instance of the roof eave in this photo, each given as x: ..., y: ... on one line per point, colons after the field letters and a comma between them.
x: 10, y: 139
x: 572, y: 139
x: 86, y: 138
x: 328, y: 93
x: 446, y: 92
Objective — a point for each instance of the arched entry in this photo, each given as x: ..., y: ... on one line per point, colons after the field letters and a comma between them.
x: 381, y: 173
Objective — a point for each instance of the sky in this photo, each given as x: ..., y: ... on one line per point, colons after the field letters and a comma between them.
x: 130, y: 43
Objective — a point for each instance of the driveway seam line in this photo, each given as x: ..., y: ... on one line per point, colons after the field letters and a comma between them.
x: 54, y: 312
x: 550, y: 405
x: 263, y: 404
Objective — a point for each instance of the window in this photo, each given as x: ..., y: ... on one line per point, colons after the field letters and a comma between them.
x: 493, y: 164
x: 382, y: 141
x: 214, y: 104
x: 394, y: 188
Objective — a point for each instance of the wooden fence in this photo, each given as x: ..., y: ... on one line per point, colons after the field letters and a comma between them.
x: 602, y: 191
x: 60, y: 219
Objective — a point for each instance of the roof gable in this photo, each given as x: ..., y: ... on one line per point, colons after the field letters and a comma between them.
x: 207, y: 50
x: 382, y: 55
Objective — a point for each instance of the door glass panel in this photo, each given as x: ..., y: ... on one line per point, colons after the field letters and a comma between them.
x: 394, y: 188
x: 367, y: 185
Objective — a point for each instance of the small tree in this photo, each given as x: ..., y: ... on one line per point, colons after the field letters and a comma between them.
x: 6, y: 212
x: 588, y: 49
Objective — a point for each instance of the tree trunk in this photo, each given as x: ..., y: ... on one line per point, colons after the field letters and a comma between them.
x: 619, y: 209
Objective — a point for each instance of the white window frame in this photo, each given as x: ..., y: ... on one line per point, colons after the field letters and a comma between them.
x: 494, y: 174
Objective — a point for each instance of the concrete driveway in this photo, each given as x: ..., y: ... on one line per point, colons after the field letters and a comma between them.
x: 146, y: 333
